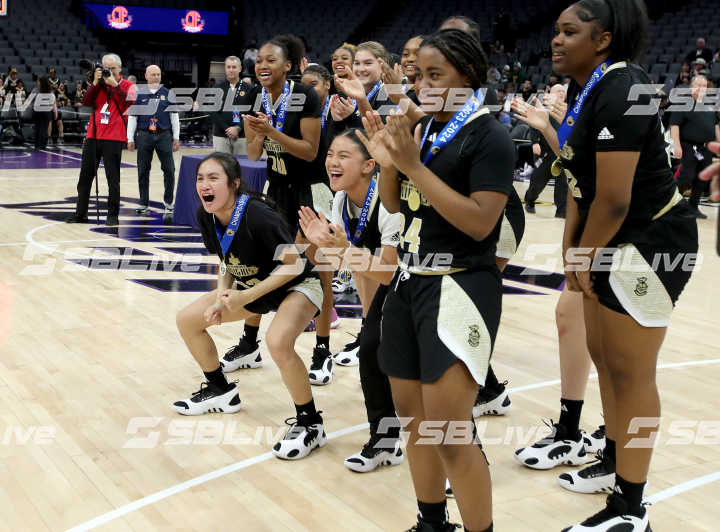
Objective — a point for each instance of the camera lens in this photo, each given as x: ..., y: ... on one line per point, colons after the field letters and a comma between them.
x: 106, y: 73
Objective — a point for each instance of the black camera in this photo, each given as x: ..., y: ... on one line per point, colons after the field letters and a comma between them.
x: 92, y: 67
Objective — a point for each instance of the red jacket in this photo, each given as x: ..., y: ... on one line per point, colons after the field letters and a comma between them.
x: 120, y: 99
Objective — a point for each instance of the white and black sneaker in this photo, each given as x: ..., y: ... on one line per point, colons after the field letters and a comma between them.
x: 558, y: 448
x: 300, y: 440
x: 596, y: 441
x: 598, y: 477
x: 321, y: 367
x: 615, y: 517
x: 210, y: 399
x: 244, y: 355
x: 349, y: 354
x: 448, y: 489
x: 371, y: 457
x: 492, y: 402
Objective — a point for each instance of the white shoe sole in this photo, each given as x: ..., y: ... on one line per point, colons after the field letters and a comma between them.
x: 604, y: 484
x: 303, y: 452
x: 347, y: 358
x: 537, y: 458
x: 217, y: 405
x: 385, y: 458
x: 245, y: 362
x: 496, y: 407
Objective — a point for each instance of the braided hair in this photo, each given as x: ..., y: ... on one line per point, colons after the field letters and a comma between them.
x: 463, y: 51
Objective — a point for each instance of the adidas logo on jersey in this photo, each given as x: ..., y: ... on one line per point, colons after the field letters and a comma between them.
x: 605, y: 134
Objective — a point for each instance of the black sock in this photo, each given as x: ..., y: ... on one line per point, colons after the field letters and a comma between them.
x: 632, y: 493
x: 250, y: 334
x: 433, y: 512
x: 491, y: 381
x: 307, y: 414
x: 362, y: 323
x: 323, y: 341
x: 217, y: 378
x: 609, y: 451
x: 570, y: 415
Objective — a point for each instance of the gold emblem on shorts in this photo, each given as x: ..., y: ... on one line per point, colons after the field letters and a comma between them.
x: 567, y: 152
x: 641, y: 288
x: 556, y: 168
x: 345, y: 275
x: 474, y: 336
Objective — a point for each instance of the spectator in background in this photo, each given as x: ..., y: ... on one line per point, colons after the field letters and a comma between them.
x: 41, y: 115
x: 518, y: 74
x: 554, y: 79
x: 132, y: 79
x: 228, y: 134
x: 700, y: 52
x: 159, y: 133
x: 493, y: 75
x: 79, y: 94
x: 211, y: 83
x: 691, y: 132
x: 53, y: 80
x: 505, y: 78
x: 20, y: 94
x: 698, y: 65
x: 527, y: 90
x: 249, y: 58
x: 56, y: 122
x: 11, y: 81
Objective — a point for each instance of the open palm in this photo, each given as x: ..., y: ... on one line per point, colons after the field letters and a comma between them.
x: 376, y: 140
x: 536, y: 116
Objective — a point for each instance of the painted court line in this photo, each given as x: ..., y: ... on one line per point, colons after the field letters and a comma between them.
x: 163, y: 494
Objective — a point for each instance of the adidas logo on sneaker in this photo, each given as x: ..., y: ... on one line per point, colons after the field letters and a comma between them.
x: 605, y: 134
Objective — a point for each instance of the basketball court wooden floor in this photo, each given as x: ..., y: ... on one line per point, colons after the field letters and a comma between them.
x: 90, y: 362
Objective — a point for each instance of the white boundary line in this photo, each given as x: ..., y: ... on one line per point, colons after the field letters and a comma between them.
x: 163, y: 494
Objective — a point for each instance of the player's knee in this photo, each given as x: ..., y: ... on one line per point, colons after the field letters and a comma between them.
x: 281, y: 347
x: 186, y: 319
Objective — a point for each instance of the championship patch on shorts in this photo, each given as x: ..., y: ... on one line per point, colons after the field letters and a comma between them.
x: 639, y: 289
x: 506, y: 245
x: 461, y: 327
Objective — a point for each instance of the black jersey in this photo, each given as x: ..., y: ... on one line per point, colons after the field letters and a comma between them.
x: 604, y: 126
x: 696, y: 126
x: 250, y: 257
x: 281, y: 165
x: 480, y: 157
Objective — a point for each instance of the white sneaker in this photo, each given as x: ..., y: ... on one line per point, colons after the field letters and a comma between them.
x: 596, y: 441
x: 209, y: 399
x: 299, y: 441
x: 613, y: 518
x: 448, y: 489
x: 553, y: 450
x: 244, y: 355
x: 169, y: 208
x: 321, y: 367
x: 492, y: 402
x: 598, y: 477
x: 349, y: 355
x: 372, y: 457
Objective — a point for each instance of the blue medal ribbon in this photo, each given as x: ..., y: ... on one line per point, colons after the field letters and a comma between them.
x: 364, y: 215
x: 282, y: 110
x: 453, y: 127
x: 370, y: 95
x: 323, y: 115
x: 238, y: 212
x: 573, y: 111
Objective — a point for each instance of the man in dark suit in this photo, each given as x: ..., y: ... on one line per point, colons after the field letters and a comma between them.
x: 228, y: 134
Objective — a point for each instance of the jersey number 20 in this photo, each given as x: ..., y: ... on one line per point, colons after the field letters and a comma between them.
x: 278, y: 165
x: 412, y: 235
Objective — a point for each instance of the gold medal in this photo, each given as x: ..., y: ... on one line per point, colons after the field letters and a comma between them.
x: 223, y: 268
x: 556, y: 168
x: 567, y: 152
x: 414, y: 199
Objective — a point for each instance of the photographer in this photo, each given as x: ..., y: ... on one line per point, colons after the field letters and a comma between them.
x: 110, y: 96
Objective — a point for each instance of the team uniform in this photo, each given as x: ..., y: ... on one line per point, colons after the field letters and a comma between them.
x: 378, y: 100
x: 294, y: 182
x: 657, y: 225
x: 437, y: 314
x: 382, y: 229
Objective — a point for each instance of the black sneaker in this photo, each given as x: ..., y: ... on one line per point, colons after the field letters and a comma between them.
x: 492, y: 402
x: 426, y: 526
x: 371, y: 456
x: 244, y: 355
x: 321, y: 368
x: 596, y: 441
x: 77, y: 219
x: 557, y: 448
x: 598, y: 477
x: 349, y: 354
x: 614, y: 517
x: 530, y: 207
x: 300, y: 439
